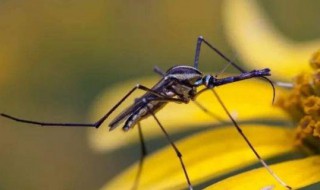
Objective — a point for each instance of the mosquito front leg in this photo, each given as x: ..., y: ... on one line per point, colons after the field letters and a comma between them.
x: 197, y: 55
x: 274, y: 175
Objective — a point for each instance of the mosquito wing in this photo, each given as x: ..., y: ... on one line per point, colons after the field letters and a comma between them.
x: 138, y: 104
x: 127, y: 112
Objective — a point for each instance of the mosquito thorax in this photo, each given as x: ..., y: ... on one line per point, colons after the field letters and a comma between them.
x: 186, y: 75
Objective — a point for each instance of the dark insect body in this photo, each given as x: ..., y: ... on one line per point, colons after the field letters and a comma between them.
x: 179, y: 84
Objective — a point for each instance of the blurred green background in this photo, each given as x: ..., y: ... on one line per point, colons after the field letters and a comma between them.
x: 57, y: 56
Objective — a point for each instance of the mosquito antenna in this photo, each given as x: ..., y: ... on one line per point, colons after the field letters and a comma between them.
x: 223, y: 70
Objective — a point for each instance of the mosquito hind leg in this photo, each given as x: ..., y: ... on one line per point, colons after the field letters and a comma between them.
x: 273, y: 174
x: 174, y: 147
x: 141, y: 160
x: 208, y: 112
x: 47, y: 123
x: 96, y: 124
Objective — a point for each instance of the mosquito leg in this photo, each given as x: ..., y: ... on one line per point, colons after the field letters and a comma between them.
x: 138, y: 86
x: 142, y: 156
x: 157, y: 70
x: 208, y: 112
x: 197, y: 55
x: 96, y: 124
x: 47, y: 123
x: 248, y: 142
x: 174, y: 147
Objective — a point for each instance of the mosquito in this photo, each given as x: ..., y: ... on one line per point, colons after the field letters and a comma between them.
x: 179, y: 84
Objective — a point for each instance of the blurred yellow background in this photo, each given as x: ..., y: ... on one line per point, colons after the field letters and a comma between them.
x: 57, y: 56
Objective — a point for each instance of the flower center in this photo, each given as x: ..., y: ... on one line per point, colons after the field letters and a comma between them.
x: 302, y: 103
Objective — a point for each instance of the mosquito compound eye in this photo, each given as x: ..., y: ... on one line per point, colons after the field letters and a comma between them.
x: 212, y: 81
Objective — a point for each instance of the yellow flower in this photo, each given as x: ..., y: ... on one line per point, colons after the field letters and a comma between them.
x: 259, y: 44
x: 216, y: 154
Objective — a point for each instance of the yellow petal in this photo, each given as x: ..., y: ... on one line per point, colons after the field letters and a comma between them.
x: 206, y: 155
x: 298, y: 173
x: 260, y: 44
x: 245, y: 100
